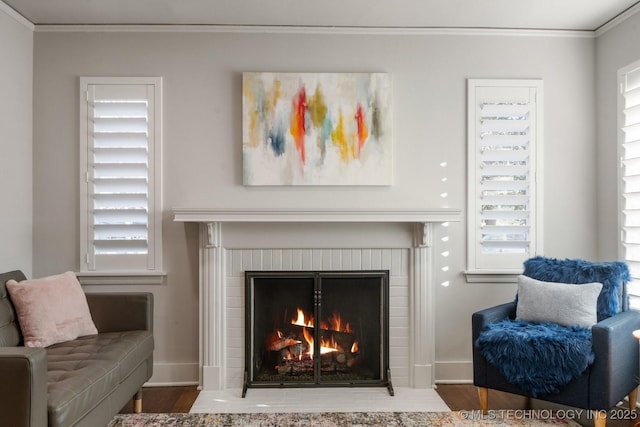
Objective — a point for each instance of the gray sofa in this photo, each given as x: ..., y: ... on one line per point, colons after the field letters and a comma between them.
x: 83, y: 382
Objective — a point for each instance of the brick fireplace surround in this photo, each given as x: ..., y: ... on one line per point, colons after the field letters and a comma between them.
x: 221, y: 283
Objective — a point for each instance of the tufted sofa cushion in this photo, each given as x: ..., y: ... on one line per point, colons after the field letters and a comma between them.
x: 83, y: 372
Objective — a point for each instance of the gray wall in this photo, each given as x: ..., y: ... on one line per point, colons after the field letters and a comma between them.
x: 16, y: 81
x: 202, y: 149
x: 615, y: 49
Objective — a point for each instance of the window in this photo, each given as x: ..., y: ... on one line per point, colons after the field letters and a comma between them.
x: 629, y: 173
x: 121, y: 209
x: 504, y: 148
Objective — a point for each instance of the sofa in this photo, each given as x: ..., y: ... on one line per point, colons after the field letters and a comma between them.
x: 81, y: 382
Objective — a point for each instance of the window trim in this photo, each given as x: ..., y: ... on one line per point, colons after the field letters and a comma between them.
x: 479, y: 274
x: 620, y: 124
x: 123, y: 275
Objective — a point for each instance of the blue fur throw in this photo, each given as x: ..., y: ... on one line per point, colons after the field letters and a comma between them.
x: 612, y: 275
x: 541, y: 358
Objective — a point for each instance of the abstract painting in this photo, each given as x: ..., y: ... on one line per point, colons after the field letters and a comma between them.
x: 316, y: 129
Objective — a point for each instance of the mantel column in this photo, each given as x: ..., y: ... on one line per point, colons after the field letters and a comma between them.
x: 212, y: 318
x: 421, y: 300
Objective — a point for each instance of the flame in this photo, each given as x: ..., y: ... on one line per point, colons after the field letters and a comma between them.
x: 301, y: 320
x: 354, y: 347
x: 326, y: 346
x: 333, y: 323
x: 336, y: 323
x: 308, y: 337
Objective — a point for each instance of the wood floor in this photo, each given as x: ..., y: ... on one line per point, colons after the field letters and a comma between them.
x: 456, y: 396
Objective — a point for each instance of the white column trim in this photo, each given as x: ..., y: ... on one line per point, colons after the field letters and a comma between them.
x: 212, y: 318
x: 421, y: 301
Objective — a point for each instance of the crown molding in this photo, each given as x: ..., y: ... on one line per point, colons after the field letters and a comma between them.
x: 9, y: 11
x: 618, y: 20
x: 268, y: 29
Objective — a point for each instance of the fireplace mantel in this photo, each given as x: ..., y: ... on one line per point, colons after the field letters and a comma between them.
x: 211, y: 216
x: 315, y: 215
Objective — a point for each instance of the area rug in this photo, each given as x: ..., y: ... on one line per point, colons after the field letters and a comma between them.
x: 344, y: 419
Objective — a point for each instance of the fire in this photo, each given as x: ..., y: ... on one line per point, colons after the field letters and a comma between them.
x: 308, y: 337
x: 301, y: 320
x: 335, y: 323
x: 326, y: 346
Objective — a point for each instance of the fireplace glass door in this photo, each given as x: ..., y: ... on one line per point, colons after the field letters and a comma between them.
x: 309, y: 329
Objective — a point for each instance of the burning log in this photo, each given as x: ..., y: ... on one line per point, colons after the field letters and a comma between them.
x: 353, y: 361
x: 293, y: 349
x: 294, y: 366
x: 328, y: 360
x: 277, y: 340
x: 283, y: 343
x: 344, y: 339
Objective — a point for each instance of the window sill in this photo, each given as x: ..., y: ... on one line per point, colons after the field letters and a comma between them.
x: 497, y: 276
x: 121, y: 278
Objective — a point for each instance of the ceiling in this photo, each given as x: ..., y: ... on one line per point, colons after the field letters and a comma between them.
x: 504, y: 14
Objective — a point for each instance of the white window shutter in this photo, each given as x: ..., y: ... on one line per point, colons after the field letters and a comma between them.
x: 504, y: 141
x: 121, y: 210
x: 629, y: 149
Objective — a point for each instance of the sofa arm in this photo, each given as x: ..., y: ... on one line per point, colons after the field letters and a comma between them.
x: 113, y: 312
x: 23, y: 389
x: 615, y: 368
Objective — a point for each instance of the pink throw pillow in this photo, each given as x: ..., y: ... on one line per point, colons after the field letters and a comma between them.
x: 51, y: 309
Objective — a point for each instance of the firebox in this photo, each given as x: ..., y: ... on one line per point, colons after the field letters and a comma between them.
x: 317, y: 329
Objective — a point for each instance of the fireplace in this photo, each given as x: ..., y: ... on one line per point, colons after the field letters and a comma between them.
x: 233, y: 241
x: 317, y: 329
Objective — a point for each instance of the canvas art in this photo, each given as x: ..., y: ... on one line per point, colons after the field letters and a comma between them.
x: 316, y: 129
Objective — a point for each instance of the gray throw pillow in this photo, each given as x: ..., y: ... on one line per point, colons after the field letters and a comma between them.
x: 562, y: 303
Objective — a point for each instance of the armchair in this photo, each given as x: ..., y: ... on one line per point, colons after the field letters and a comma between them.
x: 614, y: 372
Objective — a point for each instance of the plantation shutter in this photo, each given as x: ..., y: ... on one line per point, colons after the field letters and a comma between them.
x: 503, y: 139
x: 122, y: 213
x: 630, y: 173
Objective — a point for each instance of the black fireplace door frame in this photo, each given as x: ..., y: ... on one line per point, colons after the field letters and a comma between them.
x: 316, y: 278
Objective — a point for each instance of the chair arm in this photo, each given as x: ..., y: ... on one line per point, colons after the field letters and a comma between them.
x: 23, y: 389
x: 113, y: 312
x: 481, y: 319
x: 615, y: 368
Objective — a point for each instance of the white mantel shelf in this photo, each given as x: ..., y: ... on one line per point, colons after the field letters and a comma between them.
x: 315, y: 215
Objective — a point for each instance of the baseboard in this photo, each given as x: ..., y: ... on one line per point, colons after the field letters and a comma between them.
x: 178, y: 374
x: 173, y: 374
x: 460, y: 372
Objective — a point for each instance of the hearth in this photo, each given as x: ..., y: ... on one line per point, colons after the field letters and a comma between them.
x: 317, y: 329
